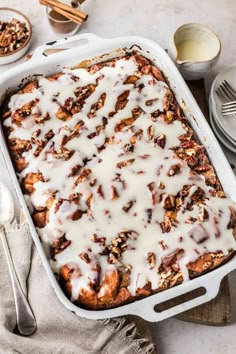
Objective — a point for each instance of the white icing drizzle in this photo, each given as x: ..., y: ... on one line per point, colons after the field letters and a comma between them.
x: 151, y: 164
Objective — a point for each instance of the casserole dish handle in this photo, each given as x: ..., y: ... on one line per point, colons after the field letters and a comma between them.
x: 81, y: 39
x: 210, y: 287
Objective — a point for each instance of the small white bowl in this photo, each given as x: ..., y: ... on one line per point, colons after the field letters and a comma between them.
x: 197, y: 49
x: 7, y: 14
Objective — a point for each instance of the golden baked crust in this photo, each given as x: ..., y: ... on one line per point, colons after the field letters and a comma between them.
x: 111, y: 287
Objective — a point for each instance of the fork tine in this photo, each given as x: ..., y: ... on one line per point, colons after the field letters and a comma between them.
x: 231, y: 110
x: 229, y: 92
x: 230, y: 87
x: 229, y: 104
x: 221, y: 94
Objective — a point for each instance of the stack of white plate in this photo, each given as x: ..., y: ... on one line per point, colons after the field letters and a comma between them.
x: 224, y: 127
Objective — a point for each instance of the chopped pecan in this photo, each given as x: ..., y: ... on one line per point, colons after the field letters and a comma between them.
x: 208, y: 172
x: 136, y: 112
x: 100, y: 240
x: 160, y: 140
x: 124, y: 123
x: 157, y: 73
x: 160, y: 185
x: 114, y: 193
x: 136, y: 136
x: 168, y: 201
x: 198, y: 194
x: 125, y: 163
x: 150, y: 102
x: 122, y: 100
x: 98, y: 105
x: 28, y: 88
x: 128, y: 148
x: 169, y: 221
x: 141, y: 61
x: 22, y: 113
x: 151, y: 257
x: 190, y: 220
x: 167, y: 100
x: 203, y: 214
x: 150, y: 132
x: 100, y: 191
x: 63, y: 153
x: 85, y: 257
x: 63, y: 114
x: 192, y: 160
x: 40, y: 219
x: 128, y: 205
x: 82, y: 93
x: 77, y: 215
x: 59, y: 245
x: 83, y: 176
x: 155, y: 196
x: 170, y: 117
x: 131, y: 79
x: 174, y: 170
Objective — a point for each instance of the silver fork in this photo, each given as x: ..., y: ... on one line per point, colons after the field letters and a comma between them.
x: 226, y: 93
x: 228, y: 108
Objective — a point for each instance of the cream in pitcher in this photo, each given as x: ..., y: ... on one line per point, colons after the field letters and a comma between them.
x: 197, y: 49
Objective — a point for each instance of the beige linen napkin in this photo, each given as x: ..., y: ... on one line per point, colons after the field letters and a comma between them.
x: 58, y: 330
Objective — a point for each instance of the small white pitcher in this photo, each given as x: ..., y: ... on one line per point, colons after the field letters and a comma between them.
x: 196, y: 50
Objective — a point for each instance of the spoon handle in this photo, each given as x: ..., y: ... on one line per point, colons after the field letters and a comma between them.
x: 26, y: 323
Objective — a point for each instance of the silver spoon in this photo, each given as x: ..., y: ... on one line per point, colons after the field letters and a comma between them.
x: 26, y: 323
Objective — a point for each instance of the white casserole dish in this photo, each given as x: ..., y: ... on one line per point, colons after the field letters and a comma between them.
x: 92, y: 46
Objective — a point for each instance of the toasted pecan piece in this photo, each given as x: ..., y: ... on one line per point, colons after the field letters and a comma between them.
x: 63, y: 114
x: 122, y: 100
x: 22, y: 113
x: 28, y: 88
x: 123, y: 123
x: 97, y: 105
x: 59, y: 245
x: 131, y: 79
x: 54, y: 77
x: 40, y: 219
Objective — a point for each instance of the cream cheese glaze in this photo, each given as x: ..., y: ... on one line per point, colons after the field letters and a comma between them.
x: 124, y: 166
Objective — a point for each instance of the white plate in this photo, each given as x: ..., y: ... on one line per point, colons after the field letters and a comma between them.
x: 226, y: 123
x: 220, y: 136
x: 219, y: 127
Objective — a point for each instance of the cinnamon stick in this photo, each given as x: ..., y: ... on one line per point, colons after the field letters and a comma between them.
x: 66, y: 14
x: 67, y: 8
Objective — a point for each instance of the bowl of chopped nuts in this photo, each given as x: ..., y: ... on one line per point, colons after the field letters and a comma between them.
x: 15, y: 35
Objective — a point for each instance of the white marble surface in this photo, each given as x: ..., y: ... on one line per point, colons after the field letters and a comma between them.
x: 157, y: 20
